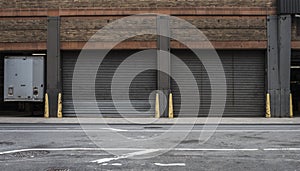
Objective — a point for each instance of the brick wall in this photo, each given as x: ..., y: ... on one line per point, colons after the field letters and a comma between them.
x: 82, y: 28
x: 31, y: 26
x: 23, y: 29
x: 294, y: 30
x: 133, y: 3
x: 215, y: 28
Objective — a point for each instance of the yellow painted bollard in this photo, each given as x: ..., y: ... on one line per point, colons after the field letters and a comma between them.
x: 291, y: 105
x: 59, y: 106
x: 268, y: 106
x: 171, y: 113
x: 46, y: 110
x: 157, y: 112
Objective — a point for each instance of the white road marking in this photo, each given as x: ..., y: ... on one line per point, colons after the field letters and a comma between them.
x: 281, y: 149
x: 144, y: 131
x: 170, y: 164
x: 61, y: 128
x: 36, y: 126
x: 116, y: 164
x: 242, y: 125
x: 105, y: 160
x: 141, y: 151
x: 70, y: 149
x: 215, y: 149
x: 138, y: 153
x: 114, y: 129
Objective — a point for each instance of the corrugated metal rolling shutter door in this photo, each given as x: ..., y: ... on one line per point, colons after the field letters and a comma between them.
x: 244, y: 71
x: 140, y: 88
x: 249, y: 85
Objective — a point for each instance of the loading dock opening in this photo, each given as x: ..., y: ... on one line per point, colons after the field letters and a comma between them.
x: 14, y: 108
x: 295, y: 82
x: 295, y: 88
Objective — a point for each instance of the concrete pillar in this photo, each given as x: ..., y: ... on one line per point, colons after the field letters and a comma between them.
x: 163, y: 62
x: 278, y: 64
x: 284, y: 45
x: 53, y: 64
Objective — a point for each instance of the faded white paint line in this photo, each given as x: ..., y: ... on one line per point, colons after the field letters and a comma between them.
x: 116, y: 164
x: 104, y: 160
x: 138, y: 153
x: 104, y: 164
x: 215, y: 149
x: 281, y: 149
x: 169, y: 164
x: 141, y: 151
x: 37, y: 126
x: 114, y: 129
x: 70, y: 149
x: 63, y: 128
x: 144, y: 131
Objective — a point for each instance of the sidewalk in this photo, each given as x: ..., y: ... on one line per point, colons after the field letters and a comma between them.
x: 226, y: 120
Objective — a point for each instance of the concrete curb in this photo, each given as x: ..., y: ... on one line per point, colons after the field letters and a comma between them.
x: 34, y: 120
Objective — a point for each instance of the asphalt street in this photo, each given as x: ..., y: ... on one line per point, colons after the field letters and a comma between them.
x: 68, y: 147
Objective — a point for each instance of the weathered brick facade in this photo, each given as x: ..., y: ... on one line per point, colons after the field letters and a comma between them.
x: 23, y: 29
x: 294, y: 33
x: 134, y: 3
x: 230, y: 25
x: 215, y: 28
x: 232, y: 21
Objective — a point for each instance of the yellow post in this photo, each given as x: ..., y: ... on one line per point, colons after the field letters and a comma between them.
x: 46, y: 112
x: 171, y: 113
x: 59, y: 106
x: 291, y: 105
x: 157, y: 112
x: 268, y: 106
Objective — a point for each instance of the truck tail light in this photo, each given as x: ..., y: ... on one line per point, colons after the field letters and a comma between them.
x: 10, y: 91
x: 35, y: 91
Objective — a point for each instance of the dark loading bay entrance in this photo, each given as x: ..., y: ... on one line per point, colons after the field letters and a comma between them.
x: 17, y: 109
x: 295, y: 82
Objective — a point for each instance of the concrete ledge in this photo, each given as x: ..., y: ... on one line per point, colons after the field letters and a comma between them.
x: 34, y: 120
